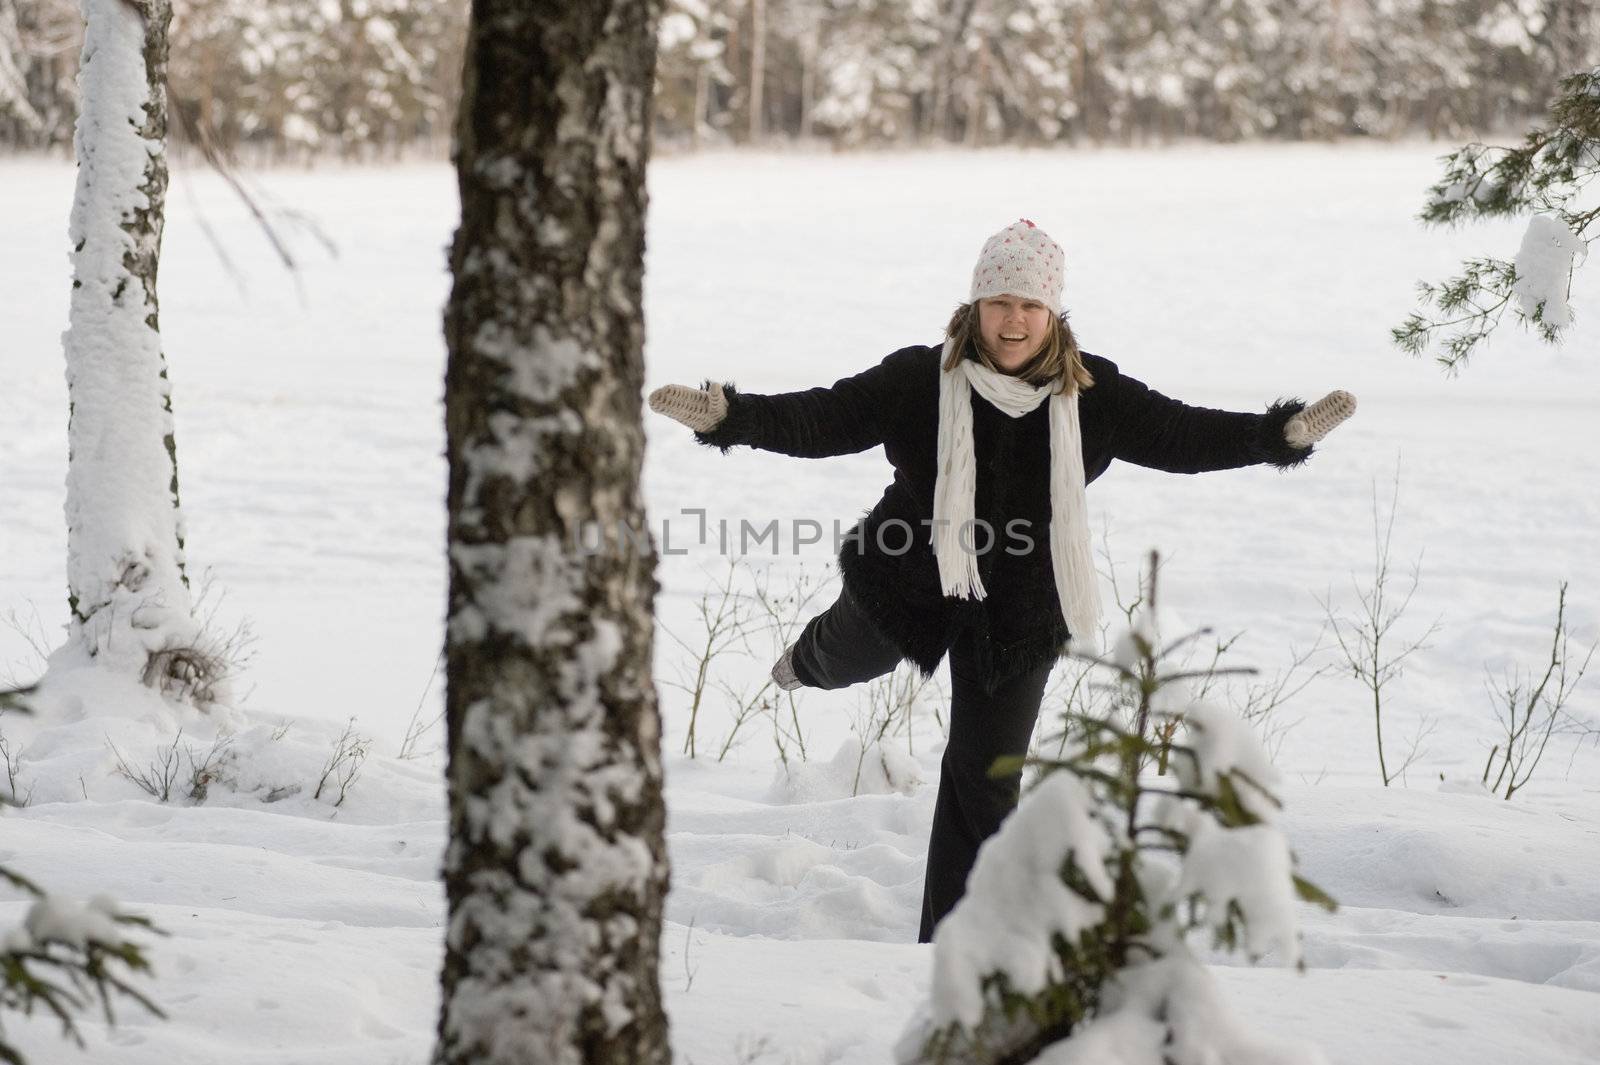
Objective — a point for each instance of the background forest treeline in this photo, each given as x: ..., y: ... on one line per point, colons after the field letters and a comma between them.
x: 369, y: 77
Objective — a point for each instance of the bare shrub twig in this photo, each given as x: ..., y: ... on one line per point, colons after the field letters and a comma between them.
x: 1531, y: 711
x: 1367, y: 639
x: 415, y: 729
x: 724, y: 615
x: 156, y: 778
x: 344, y: 763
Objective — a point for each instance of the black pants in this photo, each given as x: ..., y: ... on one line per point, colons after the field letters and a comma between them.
x: 841, y: 647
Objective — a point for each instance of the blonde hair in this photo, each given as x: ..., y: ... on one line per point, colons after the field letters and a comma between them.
x: 1058, y: 361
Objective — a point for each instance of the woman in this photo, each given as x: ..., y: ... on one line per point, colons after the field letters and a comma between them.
x: 980, y: 548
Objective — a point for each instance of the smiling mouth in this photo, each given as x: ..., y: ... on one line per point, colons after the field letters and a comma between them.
x: 1012, y: 338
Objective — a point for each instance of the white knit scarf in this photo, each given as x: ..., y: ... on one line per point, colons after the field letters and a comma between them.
x: 956, y: 539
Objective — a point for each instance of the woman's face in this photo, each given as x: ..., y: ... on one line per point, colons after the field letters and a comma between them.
x: 1012, y: 329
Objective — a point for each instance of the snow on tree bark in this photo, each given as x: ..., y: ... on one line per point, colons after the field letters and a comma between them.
x: 128, y: 592
x: 556, y: 868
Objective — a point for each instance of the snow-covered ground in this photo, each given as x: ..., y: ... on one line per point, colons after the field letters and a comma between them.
x: 310, y: 448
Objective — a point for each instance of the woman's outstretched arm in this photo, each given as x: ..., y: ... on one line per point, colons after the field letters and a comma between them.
x: 848, y: 416
x: 1162, y: 433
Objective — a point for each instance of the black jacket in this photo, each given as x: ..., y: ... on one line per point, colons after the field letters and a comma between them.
x: 896, y: 404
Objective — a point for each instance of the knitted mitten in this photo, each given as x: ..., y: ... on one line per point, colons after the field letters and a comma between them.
x: 701, y: 409
x: 783, y: 674
x: 1319, y: 419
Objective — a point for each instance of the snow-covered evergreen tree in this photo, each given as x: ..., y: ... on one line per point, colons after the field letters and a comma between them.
x: 352, y: 76
x: 1004, y: 75
x: 1072, y: 942
x: 1219, y: 51
x: 692, y: 49
x: 874, y: 59
x: 338, y: 75
x: 556, y: 868
x: 67, y: 958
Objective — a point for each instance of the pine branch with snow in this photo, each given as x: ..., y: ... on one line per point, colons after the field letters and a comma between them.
x: 67, y: 958
x: 1072, y: 942
x: 1543, y: 179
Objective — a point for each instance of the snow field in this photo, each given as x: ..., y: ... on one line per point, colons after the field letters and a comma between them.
x: 310, y: 452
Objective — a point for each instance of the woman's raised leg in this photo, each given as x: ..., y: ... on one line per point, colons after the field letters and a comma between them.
x: 841, y: 646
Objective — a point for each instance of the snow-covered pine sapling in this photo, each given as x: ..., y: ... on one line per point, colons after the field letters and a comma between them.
x: 67, y: 957
x: 1542, y: 178
x: 1369, y: 645
x: 1072, y: 941
x: 344, y: 762
x: 1531, y: 711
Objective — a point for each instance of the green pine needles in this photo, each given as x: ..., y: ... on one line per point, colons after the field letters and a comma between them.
x: 1544, y: 178
x: 1072, y: 943
x: 66, y: 957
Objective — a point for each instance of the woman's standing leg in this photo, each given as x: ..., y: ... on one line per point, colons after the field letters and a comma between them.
x: 970, y: 805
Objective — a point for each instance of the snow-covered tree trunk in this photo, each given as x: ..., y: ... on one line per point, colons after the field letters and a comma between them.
x: 131, y: 611
x: 556, y: 868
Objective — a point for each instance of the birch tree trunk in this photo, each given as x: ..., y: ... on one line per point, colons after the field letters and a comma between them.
x: 556, y: 868
x: 131, y: 611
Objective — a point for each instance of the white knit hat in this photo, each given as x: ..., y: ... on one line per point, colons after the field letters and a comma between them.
x: 1021, y: 260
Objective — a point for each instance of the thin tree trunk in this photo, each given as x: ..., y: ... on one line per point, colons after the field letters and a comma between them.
x: 975, y: 98
x: 13, y: 72
x: 808, y: 81
x: 702, y: 80
x: 125, y: 566
x: 945, y: 69
x: 758, y: 68
x: 556, y: 867
x: 1083, y: 93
